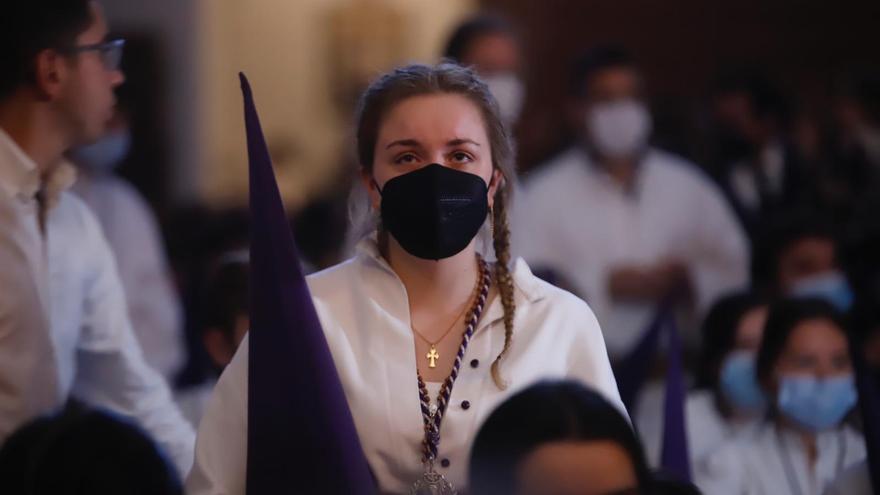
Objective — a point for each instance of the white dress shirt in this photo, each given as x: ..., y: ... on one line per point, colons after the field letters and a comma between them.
x: 772, y: 461
x: 364, y: 311
x: 153, y: 304
x: 92, y: 353
x: 575, y: 219
x: 28, y: 380
x: 744, y: 182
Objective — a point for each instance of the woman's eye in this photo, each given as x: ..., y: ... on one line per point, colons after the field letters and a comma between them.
x: 406, y: 158
x: 461, y: 157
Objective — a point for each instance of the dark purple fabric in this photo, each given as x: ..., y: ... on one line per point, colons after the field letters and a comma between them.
x: 674, y: 457
x: 632, y: 372
x: 301, y: 436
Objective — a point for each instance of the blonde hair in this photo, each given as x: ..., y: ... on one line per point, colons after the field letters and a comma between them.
x: 416, y: 80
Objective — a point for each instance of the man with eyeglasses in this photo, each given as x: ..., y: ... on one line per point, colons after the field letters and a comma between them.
x: 64, y: 328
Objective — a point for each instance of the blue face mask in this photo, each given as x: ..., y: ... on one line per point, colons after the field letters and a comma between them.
x: 738, y: 382
x: 102, y: 157
x: 816, y: 404
x: 831, y: 286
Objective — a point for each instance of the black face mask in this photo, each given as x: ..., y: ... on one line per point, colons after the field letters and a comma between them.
x: 434, y: 212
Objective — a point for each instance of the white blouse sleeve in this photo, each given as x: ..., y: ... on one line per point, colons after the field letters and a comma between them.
x: 588, y: 357
x: 220, y: 465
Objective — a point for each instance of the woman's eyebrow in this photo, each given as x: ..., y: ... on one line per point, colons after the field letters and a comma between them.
x: 460, y: 141
x: 403, y: 142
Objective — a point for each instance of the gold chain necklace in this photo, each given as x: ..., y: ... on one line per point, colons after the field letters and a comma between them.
x: 432, y: 356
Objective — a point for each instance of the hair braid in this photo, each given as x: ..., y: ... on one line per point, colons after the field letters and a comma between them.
x: 501, y: 242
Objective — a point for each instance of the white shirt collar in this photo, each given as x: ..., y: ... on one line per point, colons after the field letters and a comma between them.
x: 527, y: 286
x: 20, y: 175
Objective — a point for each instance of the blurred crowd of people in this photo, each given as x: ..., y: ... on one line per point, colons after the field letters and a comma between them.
x: 768, y: 259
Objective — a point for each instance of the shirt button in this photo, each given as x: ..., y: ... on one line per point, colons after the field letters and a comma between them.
x: 445, y: 463
x: 475, y: 363
x: 465, y: 405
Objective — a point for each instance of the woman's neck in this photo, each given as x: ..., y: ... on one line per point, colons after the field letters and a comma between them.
x: 441, y: 283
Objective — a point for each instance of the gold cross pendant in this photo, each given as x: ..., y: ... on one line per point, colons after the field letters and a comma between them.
x: 432, y: 356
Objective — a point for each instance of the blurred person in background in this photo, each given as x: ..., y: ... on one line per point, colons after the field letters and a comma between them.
x: 798, y: 254
x: 133, y: 234
x: 856, y: 480
x: 197, y: 237
x: 728, y: 399
x: 849, y: 155
x: 856, y: 114
x: 852, y: 175
x: 81, y: 451
x: 225, y: 321
x: 558, y: 438
x: 761, y: 171
x: 489, y: 44
x: 805, y: 370
x: 64, y: 325
x: 626, y: 224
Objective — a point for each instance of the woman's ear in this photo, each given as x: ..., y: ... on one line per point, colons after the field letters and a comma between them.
x: 371, y: 187
x: 495, y: 182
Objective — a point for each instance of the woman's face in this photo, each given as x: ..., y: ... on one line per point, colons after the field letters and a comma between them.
x: 577, y: 468
x: 803, y: 259
x: 495, y: 53
x: 815, y: 348
x: 440, y: 128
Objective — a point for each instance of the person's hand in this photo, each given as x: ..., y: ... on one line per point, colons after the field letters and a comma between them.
x: 652, y: 283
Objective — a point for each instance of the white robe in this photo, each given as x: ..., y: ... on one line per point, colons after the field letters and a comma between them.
x: 364, y: 312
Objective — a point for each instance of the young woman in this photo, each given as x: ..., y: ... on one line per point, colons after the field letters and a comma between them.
x: 427, y: 332
x: 804, y: 368
x: 558, y: 438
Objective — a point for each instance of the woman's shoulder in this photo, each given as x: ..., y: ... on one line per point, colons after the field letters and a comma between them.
x: 540, y: 295
x: 544, y: 305
x: 331, y: 280
x: 726, y: 469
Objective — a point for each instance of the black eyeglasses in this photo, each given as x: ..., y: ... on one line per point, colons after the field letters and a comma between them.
x: 110, y: 52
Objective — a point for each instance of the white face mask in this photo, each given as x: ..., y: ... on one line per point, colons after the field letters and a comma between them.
x: 619, y: 129
x: 102, y: 156
x: 509, y: 90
